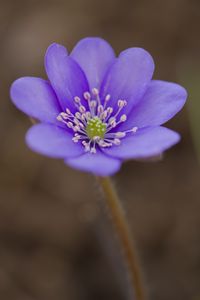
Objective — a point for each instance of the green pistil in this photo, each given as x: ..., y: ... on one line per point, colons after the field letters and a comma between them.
x: 95, y: 127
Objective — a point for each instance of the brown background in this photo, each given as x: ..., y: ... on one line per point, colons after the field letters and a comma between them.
x: 55, y: 240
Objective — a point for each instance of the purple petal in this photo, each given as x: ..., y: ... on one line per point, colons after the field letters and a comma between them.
x: 95, y: 56
x: 52, y: 141
x: 65, y: 75
x: 160, y: 103
x: 146, y: 142
x: 36, y: 98
x: 98, y: 164
x: 128, y: 77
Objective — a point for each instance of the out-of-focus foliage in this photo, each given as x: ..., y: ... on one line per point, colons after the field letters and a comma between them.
x: 191, y: 78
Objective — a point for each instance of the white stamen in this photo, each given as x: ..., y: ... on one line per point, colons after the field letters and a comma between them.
x: 70, y: 124
x: 93, y: 104
x: 82, y: 109
x: 93, y: 149
x: 109, y: 110
x: 117, y: 142
x: 96, y: 94
x: 64, y: 115
x: 100, y: 109
x: 95, y: 91
x: 120, y: 134
x: 88, y: 115
x: 77, y: 100
x: 68, y: 111
x: 87, y: 96
x: 107, y: 98
x: 78, y: 115
x: 78, y: 121
x: 134, y: 129
x: 121, y: 103
x: 59, y: 118
x: 123, y: 118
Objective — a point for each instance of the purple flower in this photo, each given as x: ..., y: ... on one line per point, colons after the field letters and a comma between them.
x: 97, y: 110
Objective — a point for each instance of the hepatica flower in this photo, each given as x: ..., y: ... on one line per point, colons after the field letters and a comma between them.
x: 97, y: 110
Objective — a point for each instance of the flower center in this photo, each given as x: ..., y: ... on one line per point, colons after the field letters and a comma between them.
x: 95, y: 128
x: 94, y: 122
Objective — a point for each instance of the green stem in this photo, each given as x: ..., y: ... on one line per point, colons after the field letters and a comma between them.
x: 124, y: 235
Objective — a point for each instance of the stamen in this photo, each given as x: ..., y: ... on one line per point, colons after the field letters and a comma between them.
x: 95, y: 91
x: 96, y: 94
x: 77, y: 100
x: 134, y: 129
x: 100, y: 109
x: 93, y: 124
x: 82, y: 109
x: 123, y: 118
x: 64, y: 115
x: 87, y: 96
x: 117, y: 142
x: 107, y: 98
x: 59, y: 118
x: 120, y: 134
x: 78, y: 115
x: 68, y: 111
x: 70, y: 124
x: 121, y: 103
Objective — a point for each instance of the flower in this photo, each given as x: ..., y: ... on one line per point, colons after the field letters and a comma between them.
x: 97, y: 110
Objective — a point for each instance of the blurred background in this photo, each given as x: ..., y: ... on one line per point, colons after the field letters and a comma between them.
x: 56, y: 241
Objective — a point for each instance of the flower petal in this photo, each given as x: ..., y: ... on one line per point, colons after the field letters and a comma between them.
x: 146, y: 142
x: 65, y: 75
x: 159, y: 104
x: 36, y: 98
x: 95, y: 56
x: 128, y: 77
x: 98, y: 163
x: 52, y: 141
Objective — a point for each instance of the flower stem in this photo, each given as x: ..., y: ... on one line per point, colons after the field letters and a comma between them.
x: 124, y: 235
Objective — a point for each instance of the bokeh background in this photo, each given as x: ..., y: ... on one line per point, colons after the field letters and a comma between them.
x: 56, y: 241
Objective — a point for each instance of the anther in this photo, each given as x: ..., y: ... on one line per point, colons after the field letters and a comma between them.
x: 76, y: 138
x: 107, y: 98
x: 103, y: 115
x: 100, y: 109
x: 109, y: 110
x: 87, y: 96
x: 117, y: 142
x: 59, y: 118
x: 88, y: 115
x: 120, y: 134
x: 82, y: 109
x: 93, y: 104
x: 64, y: 115
x: 68, y: 111
x: 86, y: 145
x: 78, y: 115
x: 95, y: 91
x: 121, y: 103
x: 76, y: 128
x: 134, y: 129
x: 70, y: 124
x: 123, y: 118
x: 111, y: 120
x: 93, y: 150
x: 77, y: 100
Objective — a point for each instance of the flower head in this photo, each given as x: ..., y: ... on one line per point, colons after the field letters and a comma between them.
x: 96, y: 109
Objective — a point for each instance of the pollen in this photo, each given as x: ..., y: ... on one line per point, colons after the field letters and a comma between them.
x: 95, y: 128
